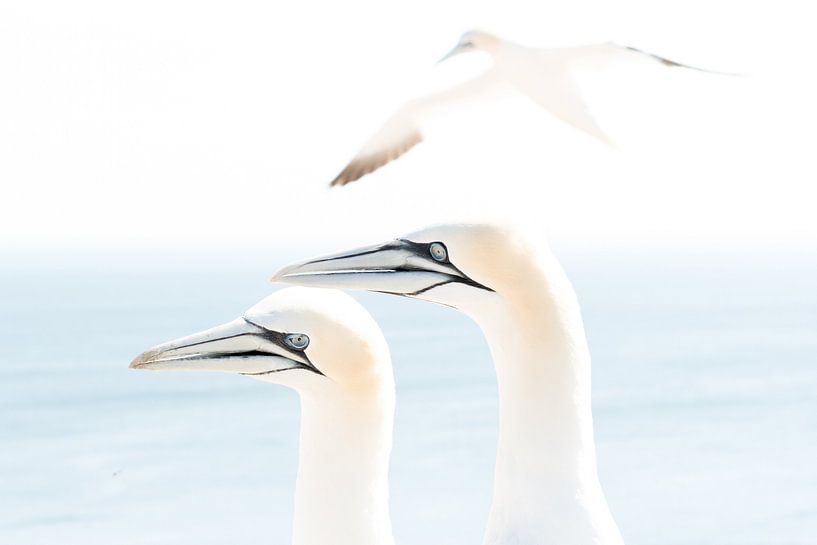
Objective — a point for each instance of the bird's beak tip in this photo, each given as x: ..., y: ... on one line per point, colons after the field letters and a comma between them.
x: 142, y: 360
x: 136, y: 364
x: 280, y: 275
x: 285, y: 274
x: 448, y: 55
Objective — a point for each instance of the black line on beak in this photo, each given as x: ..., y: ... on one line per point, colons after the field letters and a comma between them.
x: 386, y: 246
x: 278, y: 338
x: 423, y: 250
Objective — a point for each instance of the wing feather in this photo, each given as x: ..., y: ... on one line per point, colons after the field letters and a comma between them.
x: 554, y: 87
x: 403, y: 130
x: 398, y: 135
x: 671, y: 63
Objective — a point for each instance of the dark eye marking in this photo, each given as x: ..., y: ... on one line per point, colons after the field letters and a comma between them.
x: 283, y: 340
x: 438, y: 252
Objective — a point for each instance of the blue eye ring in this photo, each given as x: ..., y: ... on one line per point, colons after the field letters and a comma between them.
x: 438, y: 252
x: 297, y: 341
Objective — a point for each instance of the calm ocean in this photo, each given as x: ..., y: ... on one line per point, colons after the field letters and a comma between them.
x: 705, y: 400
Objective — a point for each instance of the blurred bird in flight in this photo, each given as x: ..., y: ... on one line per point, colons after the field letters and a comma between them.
x: 543, y: 75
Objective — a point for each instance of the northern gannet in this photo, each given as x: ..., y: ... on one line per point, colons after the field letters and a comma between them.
x: 546, y: 486
x: 329, y: 349
x: 543, y: 75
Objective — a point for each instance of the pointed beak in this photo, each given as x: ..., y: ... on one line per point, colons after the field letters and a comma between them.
x: 400, y: 267
x: 456, y: 51
x: 236, y: 347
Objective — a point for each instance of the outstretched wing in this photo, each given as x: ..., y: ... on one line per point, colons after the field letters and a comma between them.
x: 611, y: 52
x: 398, y: 135
x: 552, y: 84
x: 403, y: 130
x: 669, y: 62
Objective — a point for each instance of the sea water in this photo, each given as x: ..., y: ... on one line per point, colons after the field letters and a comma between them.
x: 704, y: 384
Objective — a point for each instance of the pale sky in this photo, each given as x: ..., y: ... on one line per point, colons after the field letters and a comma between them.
x: 171, y: 120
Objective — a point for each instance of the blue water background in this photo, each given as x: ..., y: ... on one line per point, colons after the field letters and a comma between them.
x: 705, y: 400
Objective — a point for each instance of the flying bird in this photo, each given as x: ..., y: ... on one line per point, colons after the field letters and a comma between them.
x: 543, y: 75
x: 329, y: 349
x: 546, y: 486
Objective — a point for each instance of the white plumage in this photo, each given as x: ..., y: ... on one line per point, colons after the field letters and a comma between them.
x: 543, y: 75
x: 546, y: 487
x: 328, y: 348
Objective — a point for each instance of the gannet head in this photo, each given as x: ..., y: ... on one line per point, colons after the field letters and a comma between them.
x: 303, y: 338
x: 474, y: 40
x: 465, y: 266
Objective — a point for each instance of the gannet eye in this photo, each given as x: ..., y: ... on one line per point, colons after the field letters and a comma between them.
x: 438, y: 251
x: 298, y: 341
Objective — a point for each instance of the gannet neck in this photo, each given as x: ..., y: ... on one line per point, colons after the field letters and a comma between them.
x: 546, y: 487
x: 342, y: 491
